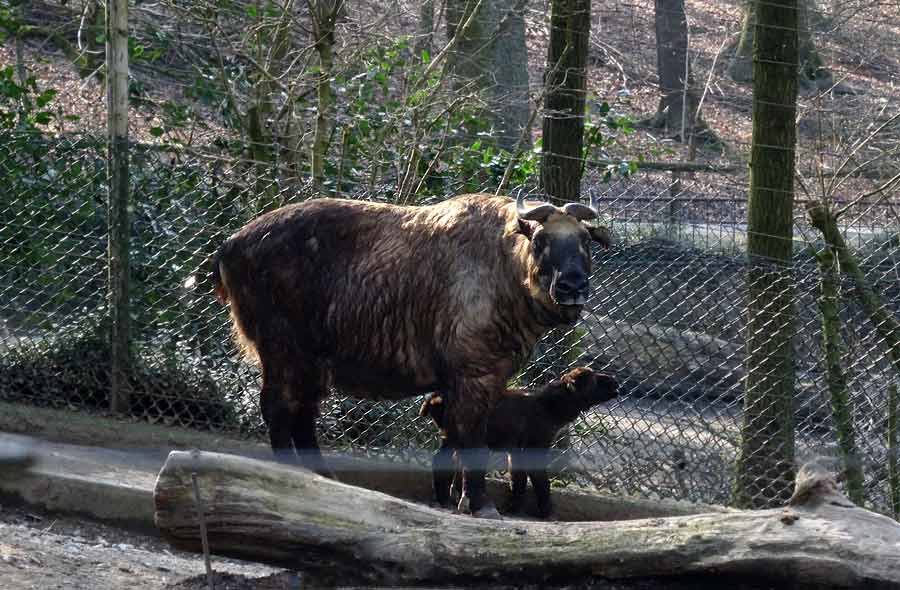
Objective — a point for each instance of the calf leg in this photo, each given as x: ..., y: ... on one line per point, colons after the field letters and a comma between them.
x: 443, y: 472
x: 540, y: 480
x: 518, y: 482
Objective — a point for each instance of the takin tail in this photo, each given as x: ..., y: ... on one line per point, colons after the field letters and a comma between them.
x: 218, y: 276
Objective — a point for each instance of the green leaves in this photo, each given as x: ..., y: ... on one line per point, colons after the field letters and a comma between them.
x: 22, y: 105
x: 602, y: 130
x: 45, y: 97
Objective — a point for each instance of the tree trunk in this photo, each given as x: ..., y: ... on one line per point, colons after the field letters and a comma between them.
x: 119, y: 226
x: 882, y: 318
x: 892, y: 443
x: 274, y: 43
x: 679, y: 102
x: 324, y: 15
x: 292, y: 518
x: 425, y: 28
x: 469, y: 60
x: 841, y: 404
x: 741, y: 66
x: 563, y: 133
x: 812, y: 69
x: 765, y: 465
x: 509, y: 59
x: 492, y: 57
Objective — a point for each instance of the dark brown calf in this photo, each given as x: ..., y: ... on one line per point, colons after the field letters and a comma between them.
x: 524, y: 426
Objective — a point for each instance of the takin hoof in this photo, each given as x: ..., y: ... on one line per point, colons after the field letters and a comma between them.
x: 552, y: 517
x: 488, y: 511
x: 327, y: 473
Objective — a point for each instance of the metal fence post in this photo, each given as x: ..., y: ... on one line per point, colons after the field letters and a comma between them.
x: 117, y: 176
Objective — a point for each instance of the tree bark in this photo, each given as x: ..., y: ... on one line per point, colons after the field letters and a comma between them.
x: 883, y: 320
x: 274, y: 42
x: 563, y: 133
x: 491, y: 55
x: 765, y: 465
x: 425, y: 27
x: 509, y: 58
x: 893, y: 459
x: 119, y: 226
x: 292, y: 518
x: 841, y: 404
x: 812, y: 68
x: 679, y: 103
x: 324, y: 14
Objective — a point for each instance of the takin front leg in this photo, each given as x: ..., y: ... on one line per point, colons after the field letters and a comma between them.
x: 467, y: 419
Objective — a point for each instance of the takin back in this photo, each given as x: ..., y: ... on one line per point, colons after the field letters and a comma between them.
x: 524, y: 425
x: 385, y: 302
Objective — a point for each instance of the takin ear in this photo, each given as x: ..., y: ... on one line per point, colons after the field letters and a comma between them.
x: 526, y: 228
x: 601, y: 235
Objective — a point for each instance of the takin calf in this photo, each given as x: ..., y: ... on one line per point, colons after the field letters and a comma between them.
x: 385, y: 302
x: 524, y: 426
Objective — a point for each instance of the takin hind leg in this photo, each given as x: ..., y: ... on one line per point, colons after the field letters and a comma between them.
x: 276, y: 415
x: 308, y: 388
x: 303, y: 433
x: 289, y: 405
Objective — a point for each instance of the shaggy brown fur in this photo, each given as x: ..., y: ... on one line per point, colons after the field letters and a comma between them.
x: 385, y: 302
x: 524, y: 425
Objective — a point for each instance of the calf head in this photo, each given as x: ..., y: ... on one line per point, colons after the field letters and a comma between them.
x: 560, y: 249
x: 576, y: 391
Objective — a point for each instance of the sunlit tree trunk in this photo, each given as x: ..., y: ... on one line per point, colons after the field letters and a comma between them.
x: 563, y: 133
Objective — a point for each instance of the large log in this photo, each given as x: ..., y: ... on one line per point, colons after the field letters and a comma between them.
x: 289, y: 517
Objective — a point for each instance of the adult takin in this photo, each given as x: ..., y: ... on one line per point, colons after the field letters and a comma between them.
x: 524, y: 425
x: 385, y: 302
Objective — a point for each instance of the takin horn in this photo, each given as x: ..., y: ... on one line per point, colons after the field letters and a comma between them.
x: 580, y: 212
x: 584, y: 212
x: 539, y: 213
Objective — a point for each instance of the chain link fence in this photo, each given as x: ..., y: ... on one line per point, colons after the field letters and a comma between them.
x: 668, y: 317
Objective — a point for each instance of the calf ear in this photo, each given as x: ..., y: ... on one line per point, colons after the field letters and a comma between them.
x: 423, y: 409
x: 431, y: 400
x: 601, y: 235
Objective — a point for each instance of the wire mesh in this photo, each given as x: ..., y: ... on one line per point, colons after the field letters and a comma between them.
x: 667, y: 318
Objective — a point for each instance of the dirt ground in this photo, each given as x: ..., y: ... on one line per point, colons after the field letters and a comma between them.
x: 49, y: 552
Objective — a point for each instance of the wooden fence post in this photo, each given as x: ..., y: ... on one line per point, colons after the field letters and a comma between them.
x: 117, y: 177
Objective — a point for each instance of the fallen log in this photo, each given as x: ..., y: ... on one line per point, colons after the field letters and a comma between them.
x: 289, y: 517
